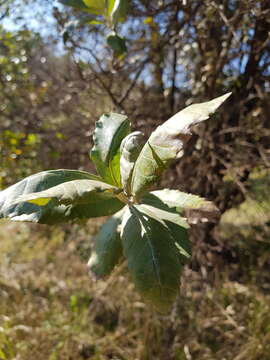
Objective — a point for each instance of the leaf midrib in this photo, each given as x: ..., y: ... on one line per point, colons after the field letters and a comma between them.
x: 155, y: 260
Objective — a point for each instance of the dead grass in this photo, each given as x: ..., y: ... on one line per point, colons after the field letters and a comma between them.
x: 50, y: 308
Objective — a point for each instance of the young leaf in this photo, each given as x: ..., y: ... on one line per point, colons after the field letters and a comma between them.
x: 193, y: 206
x: 52, y: 213
x: 110, y: 131
x: 72, y: 192
x: 152, y: 258
x: 119, y: 11
x: 129, y: 149
x: 166, y: 143
x: 108, y: 247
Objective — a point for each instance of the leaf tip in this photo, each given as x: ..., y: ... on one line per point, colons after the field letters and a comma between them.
x: 225, y: 96
x: 214, y: 104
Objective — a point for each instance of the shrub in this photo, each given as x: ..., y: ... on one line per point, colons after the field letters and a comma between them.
x: 148, y: 228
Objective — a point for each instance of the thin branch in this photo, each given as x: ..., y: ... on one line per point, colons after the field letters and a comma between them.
x: 134, y: 82
x: 98, y: 75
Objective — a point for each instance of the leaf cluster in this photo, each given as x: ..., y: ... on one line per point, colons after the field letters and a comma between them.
x: 148, y: 228
x: 101, y: 12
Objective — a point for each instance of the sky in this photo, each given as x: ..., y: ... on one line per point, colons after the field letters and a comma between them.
x: 36, y: 16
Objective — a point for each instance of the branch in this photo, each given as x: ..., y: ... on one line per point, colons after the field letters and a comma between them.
x: 125, y: 96
x: 98, y: 75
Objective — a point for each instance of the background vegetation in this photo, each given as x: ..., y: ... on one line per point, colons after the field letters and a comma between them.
x: 57, y: 76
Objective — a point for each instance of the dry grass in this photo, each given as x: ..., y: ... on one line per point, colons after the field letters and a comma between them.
x: 50, y: 308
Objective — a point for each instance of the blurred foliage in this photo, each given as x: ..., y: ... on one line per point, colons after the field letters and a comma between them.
x: 17, y: 147
x: 16, y: 93
x: 36, y: 103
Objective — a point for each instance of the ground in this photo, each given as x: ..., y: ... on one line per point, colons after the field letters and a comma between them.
x: 51, y: 308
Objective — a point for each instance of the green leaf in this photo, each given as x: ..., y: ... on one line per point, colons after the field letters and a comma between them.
x: 52, y: 213
x: 117, y: 43
x: 72, y: 192
x: 102, y: 207
x: 77, y: 4
x: 194, y: 207
x: 175, y: 224
x: 110, y: 6
x: 181, y: 242
x: 110, y: 130
x: 153, y: 260
x: 166, y: 143
x: 129, y: 149
x: 166, y: 213
x: 162, y: 215
x: 119, y: 11
x: 97, y: 7
x: 178, y: 199
x: 108, y: 247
